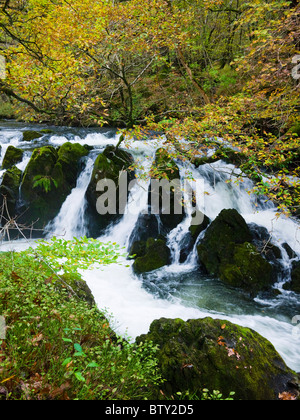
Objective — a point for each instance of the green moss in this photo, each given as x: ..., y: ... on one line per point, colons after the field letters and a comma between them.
x: 68, y: 157
x: 229, y: 228
x: 157, y: 255
x: 10, y: 189
x: 216, y: 354
x: 108, y: 165
x: 248, y: 269
x: 12, y: 156
x: 30, y: 135
x: 61, y: 169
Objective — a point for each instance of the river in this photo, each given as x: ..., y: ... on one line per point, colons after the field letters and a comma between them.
x: 176, y: 291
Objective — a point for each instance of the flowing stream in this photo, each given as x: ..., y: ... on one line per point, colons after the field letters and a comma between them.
x: 177, y: 290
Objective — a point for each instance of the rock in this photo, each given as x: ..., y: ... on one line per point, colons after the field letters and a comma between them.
x: 229, y: 228
x: 69, y: 155
x: 294, y: 284
x: 12, y: 156
x: 219, y: 355
x: 10, y: 189
x: 291, y: 253
x: 272, y: 253
x: 228, y: 253
x: 147, y: 226
x: 137, y: 249
x: 156, y: 255
x: 48, y: 179
x: 247, y: 270
x: 224, y: 153
x: 196, y: 229
x: 108, y: 165
x: 165, y: 168
x: 30, y: 135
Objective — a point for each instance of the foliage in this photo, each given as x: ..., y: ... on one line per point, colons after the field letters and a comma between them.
x: 58, y: 346
x: 193, y: 69
x: 77, y: 254
x: 44, y: 182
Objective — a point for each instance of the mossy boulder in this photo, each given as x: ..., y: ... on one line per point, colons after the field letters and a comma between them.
x: 153, y: 255
x: 147, y: 226
x: 167, y: 201
x: 30, y: 135
x: 10, y: 189
x: 247, y: 270
x: 12, y: 156
x: 228, y: 229
x: 218, y: 355
x: 227, y: 252
x: 196, y: 228
x: 223, y: 153
x: 294, y: 284
x: 108, y: 166
x: 69, y: 155
x: 48, y: 179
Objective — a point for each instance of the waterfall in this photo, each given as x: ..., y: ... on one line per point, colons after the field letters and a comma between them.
x: 70, y: 222
x: 176, y: 290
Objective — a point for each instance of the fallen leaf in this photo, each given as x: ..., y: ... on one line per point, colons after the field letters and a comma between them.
x: 287, y: 396
x: 36, y: 339
x: 223, y: 327
x: 231, y: 352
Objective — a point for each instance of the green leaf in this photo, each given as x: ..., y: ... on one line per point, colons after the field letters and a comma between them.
x: 78, y: 348
x: 79, y: 376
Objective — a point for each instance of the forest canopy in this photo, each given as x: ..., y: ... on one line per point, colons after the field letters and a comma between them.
x: 194, y: 69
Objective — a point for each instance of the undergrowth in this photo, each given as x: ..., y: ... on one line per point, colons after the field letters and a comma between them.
x: 57, y: 346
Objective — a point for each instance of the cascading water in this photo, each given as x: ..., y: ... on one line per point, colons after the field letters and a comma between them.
x: 179, y: 290
x: 70, y: 222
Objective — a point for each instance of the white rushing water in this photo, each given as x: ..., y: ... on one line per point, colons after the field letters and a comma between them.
x: 70, y: 222
x: 177, y: 291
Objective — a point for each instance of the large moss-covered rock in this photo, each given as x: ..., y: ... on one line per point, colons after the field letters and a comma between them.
x: 153, y: 255
x: 248, y: 269
x: 147, y: 226
x: 10, y: 190
x: 68, y: 156
x: 294, y: 284
x: 219, y: 355
x: 229, y: 228
x: 166, y: 170
x: 227, y: 252
x: 29, y: 135
x: 108, y: 165
x: 224, y: 153
x: 12, y: 156
x: 48, y: 179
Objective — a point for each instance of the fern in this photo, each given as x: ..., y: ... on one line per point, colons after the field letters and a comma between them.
x: 44, y: 182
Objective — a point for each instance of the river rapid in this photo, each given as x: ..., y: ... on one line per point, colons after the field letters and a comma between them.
x: 178, y: 290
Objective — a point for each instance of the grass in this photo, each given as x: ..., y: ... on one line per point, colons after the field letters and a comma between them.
x: 58, y: 346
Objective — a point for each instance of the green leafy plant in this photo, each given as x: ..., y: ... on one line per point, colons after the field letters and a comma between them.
x: 44, y: 182
x: 58, y: 346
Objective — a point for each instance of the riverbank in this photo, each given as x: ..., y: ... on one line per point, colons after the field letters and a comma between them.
x: 58, y: 345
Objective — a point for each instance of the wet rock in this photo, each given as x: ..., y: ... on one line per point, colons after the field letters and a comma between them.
x: 147, y: 226
x: 167, y: 202
x: 30, y: 135
x: 219, y: 355
x: 108, y: 166
x: 10, y: 189
x: 12, y: 156
x: 156, y: 255
x: 48, y: 179
x: 294, y: 284
x: 227, y: 252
